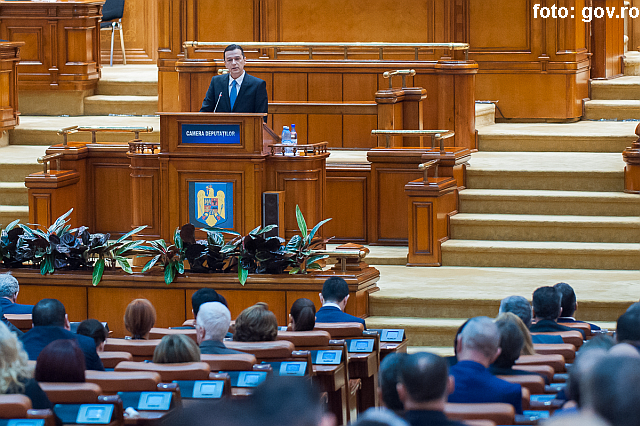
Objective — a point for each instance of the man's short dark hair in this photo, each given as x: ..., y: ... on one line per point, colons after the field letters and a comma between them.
x: 423, y: 368
x: 48, y: 312
x: 519, y: 306
x: 205, y: 295
x: 628, y: 328
x: 546, y: 303
x: 612, y: 391
x: 568, y: 299
x: 231, y: 47
x: 335, y: 289
x: 388, y: 379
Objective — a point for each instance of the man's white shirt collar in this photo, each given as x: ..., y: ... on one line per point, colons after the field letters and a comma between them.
x: 238, y: 80
x: 335, y: 305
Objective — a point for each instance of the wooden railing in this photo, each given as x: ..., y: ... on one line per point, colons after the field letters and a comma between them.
x: 346, y: 48
x: 46, y: 161
x: 100, y: 129
x: 436, y: 135
x: 403, y: 73
x: 298, y: 150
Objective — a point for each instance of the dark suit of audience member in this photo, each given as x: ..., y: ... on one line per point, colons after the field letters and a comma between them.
x: 334, y: 297
x: 9, y: 325
x: 9, y: 289
x: 546, y: 338
x: 50, y: 322
x: 569, y: 305
x: 237, y: 91
x: 477, y: 348
x: 212, y: 323
x: 546, y: 310
x: 424, y: 404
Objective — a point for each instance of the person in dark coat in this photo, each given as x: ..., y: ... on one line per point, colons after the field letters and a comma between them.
x: 50, y: 322
x: 236, y: 91
x: 9, y: 289
x: 569, y: 305
x: 546, y: 310
x: 212, y: 324
x: 334, y: 297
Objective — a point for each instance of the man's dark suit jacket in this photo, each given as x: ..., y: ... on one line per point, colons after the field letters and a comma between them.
x: 35, y: 340
x: 569, y: 319
x: 252, y: 96
x: 548, y: 326
x: 474, y: 383
x: 213, y: 347
x: 429, y: 418
x: 333, y: 314
x: 498, y: 371
x: 546, y: 338
x: 9, y: 325
x: 8, y: 307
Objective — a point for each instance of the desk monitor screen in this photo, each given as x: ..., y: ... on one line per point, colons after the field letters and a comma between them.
x: 157, y: 401
x: 329, y: 357
x: 95, y: 414
x: 392, y: 335
x: 208, y: 389
x: 26, y: 422
x: 251, y: 379
x: 361, y: 345
x: 293, y: 368
x: 282, y: 328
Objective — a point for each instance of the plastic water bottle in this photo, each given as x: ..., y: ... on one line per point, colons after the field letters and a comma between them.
x: 294, y: 135
x: 286, y: 140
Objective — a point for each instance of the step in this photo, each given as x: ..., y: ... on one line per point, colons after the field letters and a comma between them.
x: 463, y: 292
x: 16, y: 162
x: 43, y: 130
x: 523, y: 227
x: 10, y: 213
x: 533, y: 254
x: 438, y: 350
x: 132, y: 80
x: 627, y: 87
x: 421, y: 331
x: 382, y: 255
x: 583, y: 136
x: 612, y: 110
x: 558, y: 171
x: 506, y: 201
x: 13, y: 194
x: 485, y: 115
x: 125, y: 88
x: 130, y: 105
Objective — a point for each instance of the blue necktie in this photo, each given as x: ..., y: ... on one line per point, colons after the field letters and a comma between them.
x: 234, y: 93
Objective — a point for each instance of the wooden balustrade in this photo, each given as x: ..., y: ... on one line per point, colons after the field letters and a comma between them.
x: 9, y: 57
x: 631, y: 157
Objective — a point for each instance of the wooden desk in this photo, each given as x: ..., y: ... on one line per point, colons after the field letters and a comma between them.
x: 9, y: 57
x: 61, y: 52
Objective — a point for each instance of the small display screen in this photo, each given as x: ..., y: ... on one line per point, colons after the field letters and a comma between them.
x: 391, y: 335
x: 293, y: 368
x: 208, y: 389
x: 251, y: 379
x: 26, y: 422
x: 328, y: 357
x: 94, y: 414
x: 361, y: 345
x: 154, y: 401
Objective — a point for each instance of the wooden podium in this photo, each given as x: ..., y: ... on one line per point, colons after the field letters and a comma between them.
x: 209, y: 162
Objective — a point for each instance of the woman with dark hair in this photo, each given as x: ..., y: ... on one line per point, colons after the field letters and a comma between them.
x: 256, y: 324
x: 302, y: 316
x: 94, y: 329
x: 176, y: 348
x: 139, y: 318
x: 61, y: 361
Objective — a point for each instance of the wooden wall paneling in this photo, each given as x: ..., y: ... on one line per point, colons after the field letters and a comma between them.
x: 145, y: 194
x: 607, y: 38
x: 168, y: 91
x: 168, y: 302
x: 359, y: 87
x: 413, y: 112
x: 356, y: 131
x: 349, y: 220
x: 112, y: 193
x: 73, y: 298
x: 290, y: 86
x: 9, y: 56
x: 239, y: 300
x: 52, y: 195
x: 324, y: 127
x: 140, y: 28
x: 300, y: 120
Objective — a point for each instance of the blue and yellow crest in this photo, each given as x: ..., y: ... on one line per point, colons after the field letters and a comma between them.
x: 211, y: 204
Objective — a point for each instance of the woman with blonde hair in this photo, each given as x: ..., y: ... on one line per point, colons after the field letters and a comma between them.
x: 176, y: 348
x: 256, y: 324
x: 139, y: 318
x: 16, y: 377
x: 527, y: 348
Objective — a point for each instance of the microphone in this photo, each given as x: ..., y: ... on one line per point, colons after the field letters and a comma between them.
x: 216, y: 107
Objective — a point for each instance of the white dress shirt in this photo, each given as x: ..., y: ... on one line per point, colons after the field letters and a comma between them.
x: 238, y: 81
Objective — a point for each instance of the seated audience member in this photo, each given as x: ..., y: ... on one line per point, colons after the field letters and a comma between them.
x: 624, y: 349
x: 628, y: 329
x: 94, y: 329
x: 212, y: 324
x: 388, y: 379
x: 205, y: 295
x: 424, y: 404
x: 511, y: 344
x: 256, y: 324
x: 334, y: 297
x: 139, y: 318
x: 60, y: 361
x: 570, y: 305
x: 635, y: 307
x: 611, y: 390
x: 527, y: 348
x: 521, y: 307
x: 478, y: 347
x: 176, y: 348
x: 379, y: 417
x: 16, y: 377
x: 50, y: 323
x: 12, y: 328
x: 9, y: 289
x: 546, y: 310
x: 302, y: 316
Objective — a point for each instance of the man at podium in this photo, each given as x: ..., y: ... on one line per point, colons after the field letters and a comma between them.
x: 236, y: 91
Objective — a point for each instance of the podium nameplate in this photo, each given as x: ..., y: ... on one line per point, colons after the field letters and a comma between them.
x: 211, y: 134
